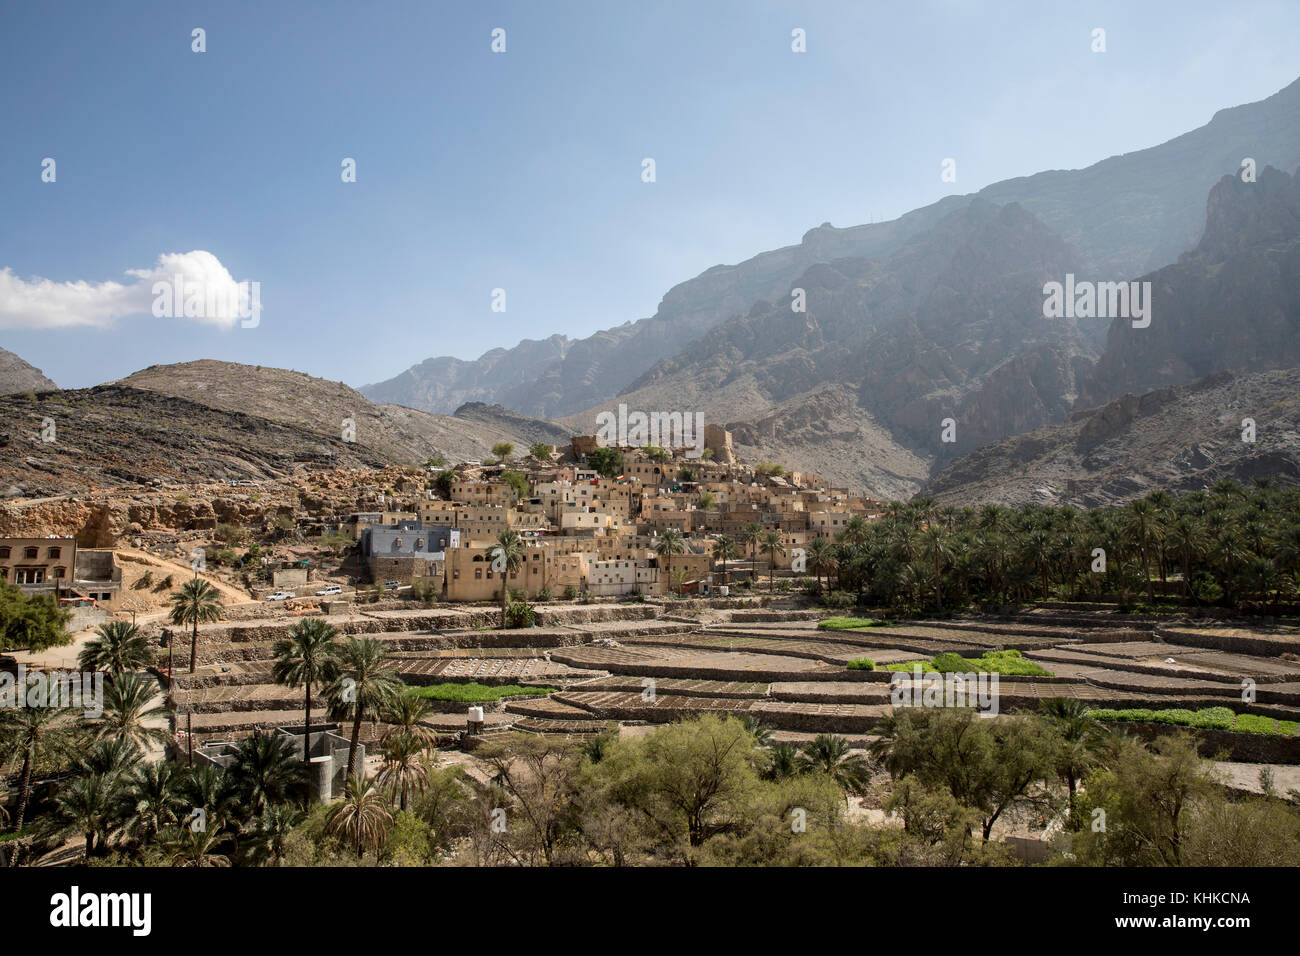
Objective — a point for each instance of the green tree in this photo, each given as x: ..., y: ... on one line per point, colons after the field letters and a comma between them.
x: 772, y: 546
x: 506, y: 557
x: 503, y: 450
x: 130, y: 714
x: 406, y: 769
x: 307, y: 656
x: 365, y: 683
x: 688, y: 781
x: 670, y: 543
x: 724, y: 550
x: 30, y: 733
x: 517, y: 481
x: 607, y: 462
x: 118, y: 647
x: 540, y: 450
x: 194, y: 604
x: 266, y: 770
x: 362, y: 817
x: 35, y: 623
x: 829, y: 754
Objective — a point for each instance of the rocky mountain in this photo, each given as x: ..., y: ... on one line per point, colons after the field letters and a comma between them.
x: 209, y: 420
x: 18, y: 376
x: 1123, y: 216
x: 1181, y: 438
x: 1233, y: 302
x: 442, y: 384
x: 857, y: 387
x: 318, y: 406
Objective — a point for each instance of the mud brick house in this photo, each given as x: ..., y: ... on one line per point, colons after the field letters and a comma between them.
x: 38, y: 565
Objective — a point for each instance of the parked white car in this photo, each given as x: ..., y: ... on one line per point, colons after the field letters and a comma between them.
x: 281, y: 596
x: 392, y: 585
x: 329, y: 589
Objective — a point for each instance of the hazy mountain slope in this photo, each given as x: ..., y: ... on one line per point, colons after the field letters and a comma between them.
x: 1124, y: 215
x: 1231, y: 303
x: 1178, y: 438
x: 443, y: 384
x: 950, y: 325
x: 18, y: 376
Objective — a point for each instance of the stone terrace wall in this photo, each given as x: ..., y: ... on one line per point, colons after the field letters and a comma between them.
x: 1244, y: 748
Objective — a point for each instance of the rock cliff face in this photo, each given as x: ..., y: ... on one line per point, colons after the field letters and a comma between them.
x: 1181, y: 438
x: 1123, y: 216
x: 17, y: 376
x: 1233, y: 302
x: 857, y: 387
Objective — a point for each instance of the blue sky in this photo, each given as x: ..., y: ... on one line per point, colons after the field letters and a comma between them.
x: 522, y: 170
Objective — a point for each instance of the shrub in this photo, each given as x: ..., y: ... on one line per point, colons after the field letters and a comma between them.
x: 951, y: 664
x: 570, y: 592
x: 520, y: 614
x: 545, y: 596
x: 862, y: 664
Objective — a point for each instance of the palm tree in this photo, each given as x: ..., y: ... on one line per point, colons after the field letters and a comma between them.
x: 829, y: 754
x: 670, y: 543
x: 194, y: 604
x: 304, y: 658
x: 1188, y: 539
x: 267, y: 839
x: 365, y: 684
x: 725, y: 549
x: 761, y: 733
x: 90, y: 805
x: 782, y: 762
x: 119, y: 647
x: 211, y: 789
x: 31, y: 732
x: 362, y: 817
x: 772, y: 547
x: 1080, y: 737
x: 187, y: 846
x: 821, y: 557
x: 266, y: 770
x: 405, y: 770
x: 154, y: 794
x: 507, y: 556
x: 128, y: 707
x: 405, y: 712
x: 113, y: 757
x: 856, y: 530
x: 751, y: 536
x: 936, y: 542
x: 1141, y: 515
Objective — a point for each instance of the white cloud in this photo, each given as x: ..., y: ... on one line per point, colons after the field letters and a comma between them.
x: 213, y: 294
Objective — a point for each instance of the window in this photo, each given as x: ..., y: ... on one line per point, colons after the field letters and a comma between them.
x: 29, y: 552
x: 30, y: 576
x: 478, y: 574
x: 59, y: 573
x: 4, y: 552
x: 53, y: 554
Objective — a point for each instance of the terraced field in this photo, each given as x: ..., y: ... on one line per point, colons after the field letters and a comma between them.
x: 649, y: 664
